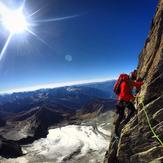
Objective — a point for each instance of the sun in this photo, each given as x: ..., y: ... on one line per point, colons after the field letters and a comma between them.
x: 18, y: 23
x: 14, y: 21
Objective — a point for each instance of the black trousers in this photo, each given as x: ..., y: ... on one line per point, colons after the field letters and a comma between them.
x: 120, y: 110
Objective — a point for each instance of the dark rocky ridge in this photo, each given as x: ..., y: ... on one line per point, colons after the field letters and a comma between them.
x: 9, y: 148
x: 98, y: 105
x: 137, y: 144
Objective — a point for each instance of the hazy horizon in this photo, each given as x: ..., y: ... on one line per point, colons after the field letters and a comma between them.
x: 53, y: 85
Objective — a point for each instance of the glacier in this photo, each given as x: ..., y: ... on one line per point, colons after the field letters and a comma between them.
x: 86, y: 142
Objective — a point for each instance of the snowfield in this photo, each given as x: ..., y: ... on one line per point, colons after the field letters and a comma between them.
x: 85, y: 143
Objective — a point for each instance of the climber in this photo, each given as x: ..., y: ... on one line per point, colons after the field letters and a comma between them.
x: 123, y: 88
x: 133, y: 75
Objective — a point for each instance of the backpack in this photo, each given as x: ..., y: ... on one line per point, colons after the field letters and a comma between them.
x: 117, y: 86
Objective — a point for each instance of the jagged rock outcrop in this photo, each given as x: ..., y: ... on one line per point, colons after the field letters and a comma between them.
x: 137, y: 144
x: 9, y: 148
x: 98, y: 105
x: 27, y: 126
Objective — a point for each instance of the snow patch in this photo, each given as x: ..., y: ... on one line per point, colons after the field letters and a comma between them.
x: 17, y: 160
x: 70, y: 142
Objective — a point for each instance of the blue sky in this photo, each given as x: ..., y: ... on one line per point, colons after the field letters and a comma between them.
x: 103, y: 40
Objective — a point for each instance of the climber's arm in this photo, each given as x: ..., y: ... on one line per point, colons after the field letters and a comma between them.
x: 137, y: 84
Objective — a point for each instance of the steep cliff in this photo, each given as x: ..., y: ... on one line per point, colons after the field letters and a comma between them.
x: 137, y: 144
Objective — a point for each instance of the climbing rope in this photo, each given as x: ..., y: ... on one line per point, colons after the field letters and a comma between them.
x: 150, y: 126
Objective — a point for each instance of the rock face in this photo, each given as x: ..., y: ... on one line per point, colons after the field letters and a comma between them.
x: 137, y: 144
x: 9, y: 148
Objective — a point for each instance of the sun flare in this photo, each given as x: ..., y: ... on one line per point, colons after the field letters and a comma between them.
x: 14, y: 21
x: 17, y: 23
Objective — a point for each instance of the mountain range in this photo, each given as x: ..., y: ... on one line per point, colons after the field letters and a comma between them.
x: 27, y: 116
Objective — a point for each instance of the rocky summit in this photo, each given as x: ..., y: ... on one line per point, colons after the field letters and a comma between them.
x: 141, y: 139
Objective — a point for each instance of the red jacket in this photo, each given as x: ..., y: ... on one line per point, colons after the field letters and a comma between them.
x: 126, y: 90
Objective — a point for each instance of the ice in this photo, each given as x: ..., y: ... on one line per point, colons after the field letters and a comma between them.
x: 17, y: 160
x: 69, y: 142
